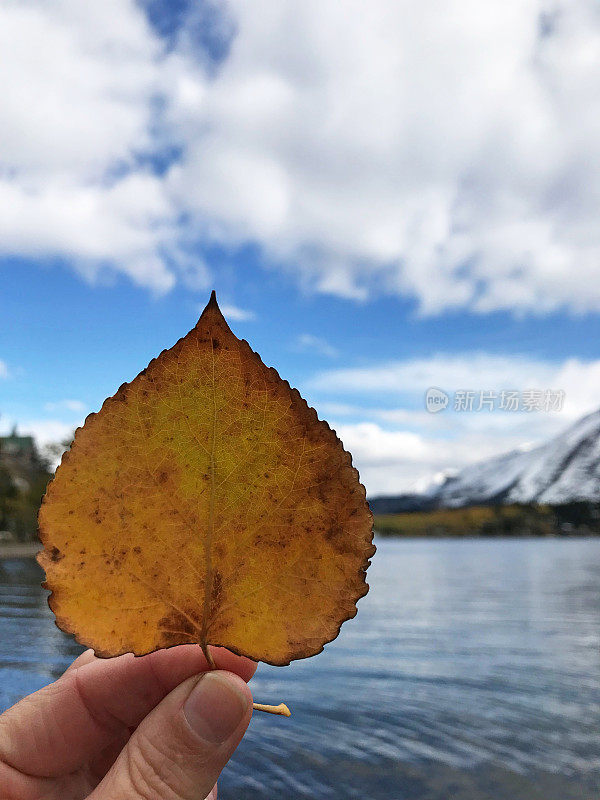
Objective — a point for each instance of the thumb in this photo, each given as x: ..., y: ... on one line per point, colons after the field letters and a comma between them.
x: 178, y: 751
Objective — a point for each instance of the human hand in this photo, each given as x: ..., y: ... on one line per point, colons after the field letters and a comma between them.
x: 157, y: 727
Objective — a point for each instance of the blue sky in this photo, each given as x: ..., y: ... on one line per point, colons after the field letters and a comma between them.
x: 383, y: 200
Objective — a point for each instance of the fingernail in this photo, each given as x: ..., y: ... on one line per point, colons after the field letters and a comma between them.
x: 215, y: 708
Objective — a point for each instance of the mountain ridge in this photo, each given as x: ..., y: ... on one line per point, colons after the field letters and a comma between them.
x: 564, y: 469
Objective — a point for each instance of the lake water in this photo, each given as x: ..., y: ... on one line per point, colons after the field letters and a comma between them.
x: 471, y: 672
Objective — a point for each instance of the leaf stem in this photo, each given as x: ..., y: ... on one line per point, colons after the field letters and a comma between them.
x: 281, y: 709
x: 208, y: 656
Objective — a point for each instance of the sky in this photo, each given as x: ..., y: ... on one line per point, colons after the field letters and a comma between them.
x: 387, y: 196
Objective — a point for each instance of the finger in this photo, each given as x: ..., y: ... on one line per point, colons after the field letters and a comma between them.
x: 102, y: 761
x: 66, y: 724
x: 81, y: 661
x: 179, y: 750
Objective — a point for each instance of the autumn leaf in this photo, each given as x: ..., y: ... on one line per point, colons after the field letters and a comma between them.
x: 206, y: 502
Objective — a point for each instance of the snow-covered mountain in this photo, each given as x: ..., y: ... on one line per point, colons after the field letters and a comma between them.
x: 565, y: 469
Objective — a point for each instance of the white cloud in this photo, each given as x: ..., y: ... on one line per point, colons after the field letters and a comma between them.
x: 394, y: 461
x: 3, y: 369
x: 237, y: 314
x: 400, y: 447
x: 315, y: 344
x: 79, y: 86
x: 479, y: 371
x: 74, y: 406
x: 443, y: 150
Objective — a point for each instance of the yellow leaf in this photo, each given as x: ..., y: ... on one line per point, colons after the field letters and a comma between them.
x: 206, y: 503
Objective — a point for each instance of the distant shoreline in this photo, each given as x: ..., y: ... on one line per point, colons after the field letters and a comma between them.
x: 577, y: 519
x: 19, y: 549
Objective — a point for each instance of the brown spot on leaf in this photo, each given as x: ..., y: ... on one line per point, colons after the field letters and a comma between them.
x: 177, y: 628
x: 216, y: 595
x: 220, y: 550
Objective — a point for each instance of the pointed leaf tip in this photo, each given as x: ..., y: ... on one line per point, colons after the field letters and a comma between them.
x: 212, y: 304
